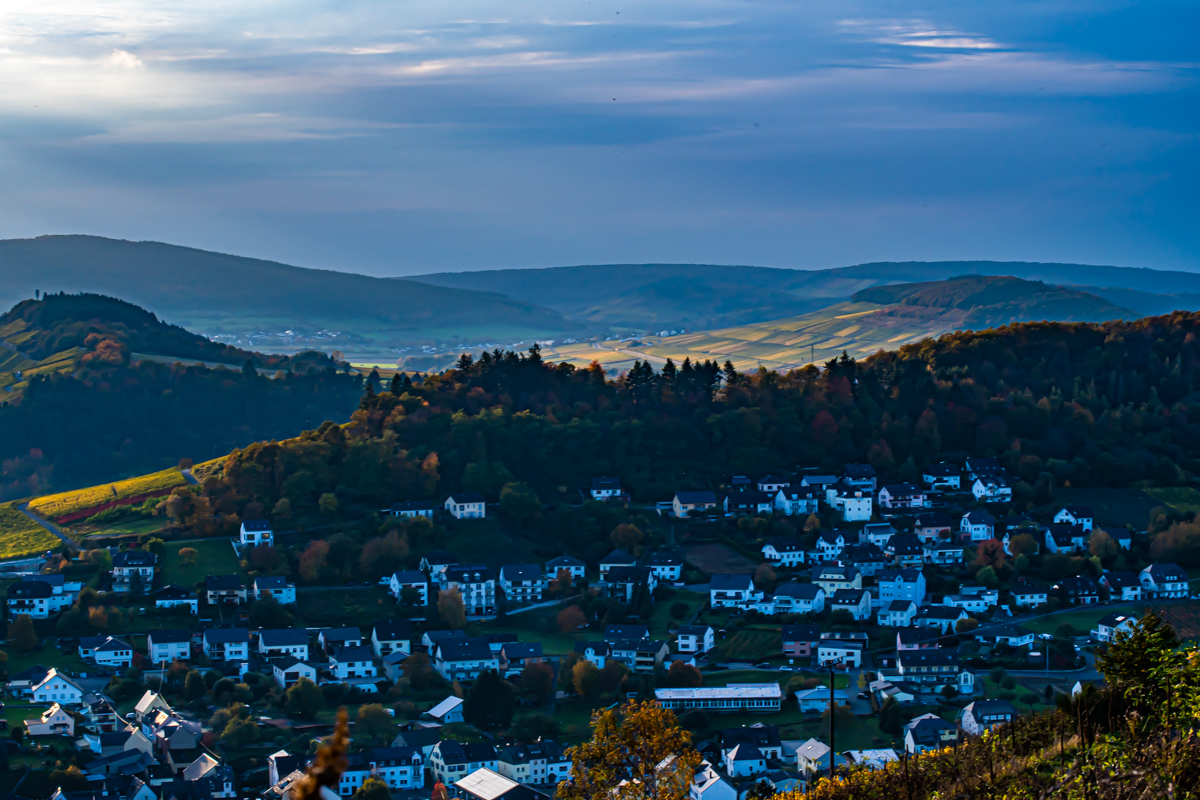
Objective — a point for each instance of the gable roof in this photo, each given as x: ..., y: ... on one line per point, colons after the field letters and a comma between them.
x: 391, y: 630
x: 462, y: 498
x: 696, y: 498
x: 445, y: 707
x: 222, y: 583
x: 268, y: 582
x: 135, y: 558
x: 730, y: 583
x: 521, y: 572
x: 256, y: 525
x: 283, y: 637
x: 226, y: 635
x: 469, y: 649
x: 565, y: 561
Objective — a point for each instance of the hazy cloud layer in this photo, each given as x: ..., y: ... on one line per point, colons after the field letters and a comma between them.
x: 403, y: 137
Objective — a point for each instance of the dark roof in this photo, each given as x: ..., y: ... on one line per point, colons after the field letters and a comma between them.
x: 1079, y: 584
x: 859, y: 471
x: 917, y: 635
x: 469, y: 573
x: 833, y: 573
x: 522, y: 572
x: 410, y: 576
x: 223, y: 635
x: 785, y: 544
x: 928, y: 658
x: 943, y: 469
x: 173, y: 636
x: 469, y: 649
x: 565, y: 561
x: 1077, y: 510
x: 514, y: 650
x: 696, y: 498
x: 801, y: 633
x: 440, y: 557
x: 907, y: 575
x: 173, y: 593
x: 933, y: 519
x: 354, y: 653
x: 848, y: 597
x: 341, y: 634
x: 665, y: 558
x: 283, y: 637
x: 1116, y: 618
x: 412, y: 505
x: 979, y: 517
x: 694, y: 630
x: 629, y: 575
x: 725, y: 583
x: 222, y: 583
x: 1168, y: 573
x: 804, y: 591
x: 256, y: 524
x: 1118, y: 580
x: 29, y: 590
x: 613, y: 632
x: 903, y: 489
x: 991, y: 708
x: 798, y: 492
x: 110, y: 643
x: 756, y: 735
x: 419, y: 738
x: 613, y: 484
x: 135, y: 558
x: 905, y: 544
x: 466, y: 497
x: 390, y: 630
x: 601, y: 648
x: 453, y: 752
x: 860, y: 553
x: 270, y: 582
x: 547, y: 749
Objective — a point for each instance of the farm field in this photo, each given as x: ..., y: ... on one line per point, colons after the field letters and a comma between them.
x: 1083, y: 620
x: 128, y: 527
x: 21, y: 536
x: 1180, y: 498
x: 1184, y: 618
x: 213, y: 557
x: 59, y: 505
x: 749, y: 645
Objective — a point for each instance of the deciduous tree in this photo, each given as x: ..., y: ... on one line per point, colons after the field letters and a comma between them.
x: 451, y: 609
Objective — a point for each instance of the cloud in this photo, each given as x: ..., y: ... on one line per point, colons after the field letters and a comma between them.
x: 123, y: 59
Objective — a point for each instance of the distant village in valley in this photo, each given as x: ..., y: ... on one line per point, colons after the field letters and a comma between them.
x: 767, y: 613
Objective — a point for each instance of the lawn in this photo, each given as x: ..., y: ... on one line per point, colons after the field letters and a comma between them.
x: 47, y: 656
x: 64, y: 503
x: 726, y: 677
x: 749, y: 645
x: 1114, y: 506
x: 21, y: 536
x: 661, y: 621
x: 130, y: 526
x: 214, y: 557
x: 1083, y: 620
x: 1180, y: 498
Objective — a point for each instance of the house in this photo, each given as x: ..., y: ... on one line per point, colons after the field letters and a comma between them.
x: 813, y: 756
x: 743, y: 503
x: 929, y: 733
x: 800, y: 641
x: 640, y: 655
x: 174, y: 596
x: 934, y: 670
x: 594, y: 652
x: 411, y: 508
x: 256, y: 533
x: 54, y: 721
x: 1080, y: 515
x: 477, y: 585
x: 401, y: 768
x: 798, y: 598
x: 983, y: 715
x: 917, y: 639
x: 353, y: 662
x: 390, y: 636
x: 225, y: 590
x: 451, y: 761
x: 149, y: 703
x: 466, y: 505
x: 284, y: 642
x: 393, y: 665
x: 226, y: 644
x: 169, y: 645
x: 1115, y: 623
x: 571, y: 564
x: 819, y: 482
x: 876, y: 533
x: 29, y: 597
x: 523, y: 583
x: 431, y: 639
x: 409, y: 579
x: 731, y: 699
x: 605, y: 489
x: 436, y: 563
x: 859, y: 476
x: 1066, y: 538
x: 906, y: 550
x: 839, y: 651
x: 708, y: 784
x: 763, y: 737
x: 331, y: 639
x: 516, y: 656
x: 973, y: 604
x: 866, y: 558
x: 1122, y: 586
x: 276, y: 587
x: 1077, y: 591
x: 942, y: 476
x: 832, y: 578
x: 694, y: 638
x: 1030, y: 597
x: 63, y: 593
x: 727, y: 591
x: 991, y: 597
x: 1161, y: 581
x: 1006, y: 635
x: 871, y: 759
x: 855, y: 504
x: 541, y: 763
x: 797, y: 500
x: 112, y: 652
x: 897, y: 613
x: 983, y: 467
x: 993, y: 489
x: 133, y: 570
x: 667, y: 565
x: 977, y: 526
x: 54, y: 687
x: 943, y: 552
x: 856, y: 601
x: 816, y: 701
x: 617, y: 558
x: 901, y: 584
x: 614, y: 633
x: 902, y: 495
x: 944, y: 618
x: 830, y: 544
x: 448, y: 711
x: 464, y: 659
x: 931, y: 526
x: 744, y: 761
x: 625, y: 582
x: 289, y: 669
x: 685, y: 504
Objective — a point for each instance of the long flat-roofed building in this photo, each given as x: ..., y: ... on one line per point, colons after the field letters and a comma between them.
x: 734, y: 697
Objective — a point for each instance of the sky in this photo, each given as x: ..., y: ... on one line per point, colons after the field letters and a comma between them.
x: 399, y: 137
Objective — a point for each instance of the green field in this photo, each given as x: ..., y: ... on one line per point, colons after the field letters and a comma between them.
x: 1180, y: 498
x: 214, y: 557
x: 1117, y: 506
x: 1083, y: 620
x: 21, y: 536
x: 129, y: 526
x: 750, y: 645
x: 661, y: 621
x: 57, y: 505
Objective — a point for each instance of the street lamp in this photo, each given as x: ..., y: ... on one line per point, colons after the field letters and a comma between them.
x: 1046, y: 638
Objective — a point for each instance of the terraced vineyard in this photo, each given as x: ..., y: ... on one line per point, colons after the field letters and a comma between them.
x: 66, y: 504
x: 21, y: 536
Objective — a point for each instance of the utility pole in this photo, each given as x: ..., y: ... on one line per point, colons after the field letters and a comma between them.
x: 832, y: 715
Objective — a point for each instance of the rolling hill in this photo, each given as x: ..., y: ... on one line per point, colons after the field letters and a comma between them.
x: 884, y: 317
x: 213, y: 293
x: 701, y: 296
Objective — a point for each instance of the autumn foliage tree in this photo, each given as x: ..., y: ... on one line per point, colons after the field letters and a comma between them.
x: 451, y: 609
x: 571, y: 619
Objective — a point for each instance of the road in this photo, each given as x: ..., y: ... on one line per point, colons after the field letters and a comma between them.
x: 50, y: 526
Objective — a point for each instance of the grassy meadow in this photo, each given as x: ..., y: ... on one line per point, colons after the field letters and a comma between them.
x: 21, y: 536
x: 63, y: 503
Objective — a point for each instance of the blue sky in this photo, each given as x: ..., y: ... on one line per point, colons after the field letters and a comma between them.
x: 393, y: 138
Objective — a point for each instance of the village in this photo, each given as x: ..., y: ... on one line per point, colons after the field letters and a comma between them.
x: 897, y: 618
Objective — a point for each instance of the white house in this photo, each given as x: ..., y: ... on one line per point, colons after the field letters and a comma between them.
x: 797, y: 598
x: 797, y: 501
x: 172, y: 596
x: 353, y: 662
x: 464, y: 659
x: 695, y: 638
x: 929, y: 732
x: 856, y: 601
x: 54, y: 721
x: 745, y: 761
x: 983, y: 715
x: 841, y: 651
x: 684, y: 504
x: 667, y: 565
x: 1116, y: 622
x: 391, y: 635
x: 897, y: 614
x: 944, y: 618
x: 606, y: 489
x: 477, y: 585
x: 1066, y: 538
x: 168, y: 646
x: 288, y: 670
x: 226, y: 644
x: 131, y: 568
x: 1164, y: 580
x: 831, y: 578
x: 855, y: 504
x: 1123, y: 586
x: 992, y: 489
x: 1080, y: 515
x: 411, y: 508
x: 399, y: 767
x: 942, y: 476
x: 276, y: 587
x: 29, y: 597
x: 902, y: 495
x: 708, y: 784
x: 451, y: 761
x: 830, y: 544
x: 57, y: 688
x: 256, y: 533
x: 727, y: 591
x: 284, y: 642
x: 540, y: 763
x: 466, y: 505
x: 573, y: 565
x: 973, y: 604
x: 409, y: 579
x: 523, y: 583
x: 901, y: 584
x: 977, y: 526
x: 113, y: 653
x: 1030, y: 597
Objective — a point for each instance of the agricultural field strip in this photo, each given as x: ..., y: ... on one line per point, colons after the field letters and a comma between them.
x: 21, y: 536
x: 56, y: 505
